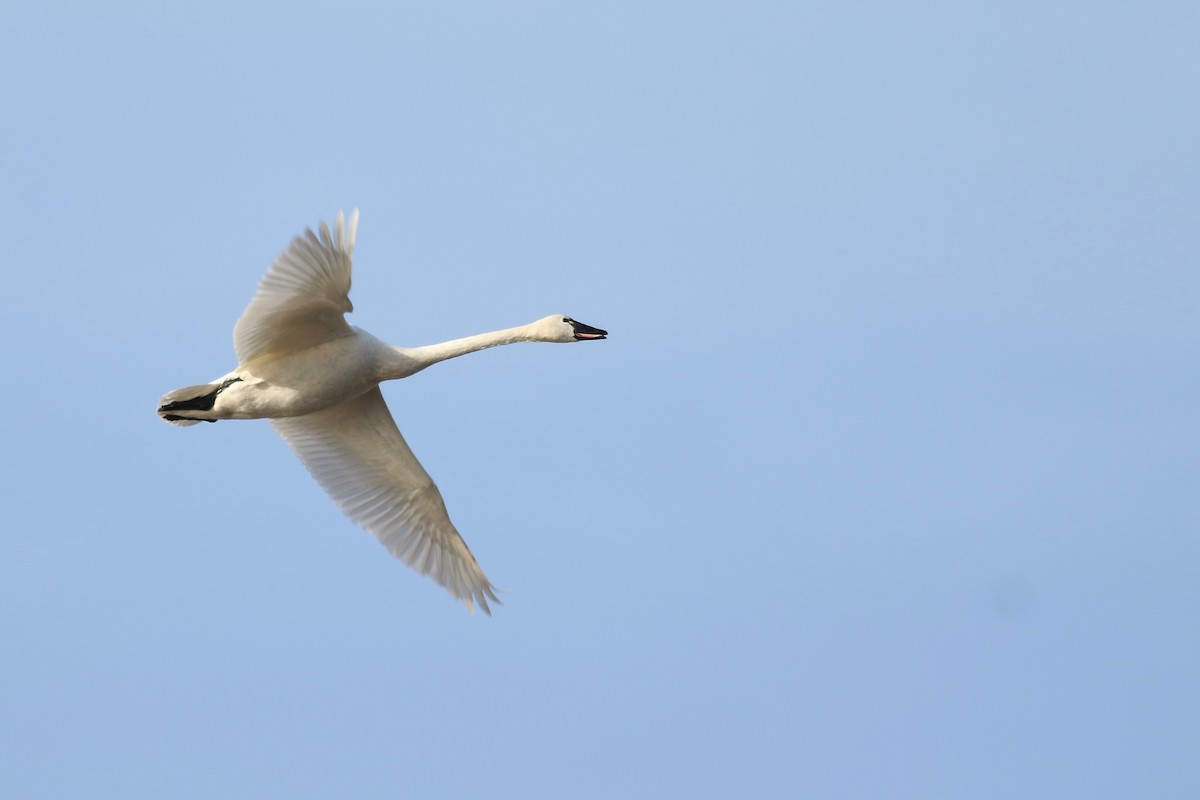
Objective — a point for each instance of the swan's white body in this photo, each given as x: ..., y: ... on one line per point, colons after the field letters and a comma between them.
x: 317, y: 379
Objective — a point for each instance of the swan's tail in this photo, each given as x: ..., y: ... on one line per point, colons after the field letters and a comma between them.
x: 191, y: 401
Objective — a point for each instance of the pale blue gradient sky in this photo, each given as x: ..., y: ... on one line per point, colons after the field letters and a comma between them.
x: 885, y: 485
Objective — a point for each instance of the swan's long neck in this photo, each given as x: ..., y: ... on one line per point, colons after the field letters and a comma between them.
x: 414, y: 359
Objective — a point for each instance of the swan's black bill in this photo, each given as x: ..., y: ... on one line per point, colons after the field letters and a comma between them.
x: 587, y: 331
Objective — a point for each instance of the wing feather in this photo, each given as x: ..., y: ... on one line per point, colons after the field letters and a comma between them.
x: 301, y: 300
x: 356, y: 452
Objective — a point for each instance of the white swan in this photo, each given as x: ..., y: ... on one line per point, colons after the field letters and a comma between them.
x: 317, y: 379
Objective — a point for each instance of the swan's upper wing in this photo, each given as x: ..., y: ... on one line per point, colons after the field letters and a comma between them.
x: 301, y: 299
x: 356, y: 452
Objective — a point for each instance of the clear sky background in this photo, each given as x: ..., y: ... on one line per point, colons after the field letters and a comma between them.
x: 884, y: 486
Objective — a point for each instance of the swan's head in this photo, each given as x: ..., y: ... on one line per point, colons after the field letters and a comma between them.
x: 559, y: 328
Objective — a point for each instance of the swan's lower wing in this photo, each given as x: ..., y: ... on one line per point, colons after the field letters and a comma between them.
x: 356, y: 452
x: 302, y: 300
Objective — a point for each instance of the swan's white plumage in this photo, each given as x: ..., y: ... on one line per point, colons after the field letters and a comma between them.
x: 317, y: 379
x: 301, y: 299
x: 356, y: 452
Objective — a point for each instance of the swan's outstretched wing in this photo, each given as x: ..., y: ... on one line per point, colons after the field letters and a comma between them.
x: 356, y: 452
x: 301, y: 299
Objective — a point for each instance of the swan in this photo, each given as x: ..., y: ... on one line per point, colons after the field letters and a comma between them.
x: 316, y: 378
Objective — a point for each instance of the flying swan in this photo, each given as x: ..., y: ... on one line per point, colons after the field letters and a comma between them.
x: 316, y: 378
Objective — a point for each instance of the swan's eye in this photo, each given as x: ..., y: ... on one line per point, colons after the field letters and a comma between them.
x: 567, y: 320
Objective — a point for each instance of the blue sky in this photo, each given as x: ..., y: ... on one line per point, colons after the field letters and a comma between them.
x: 883, y: 486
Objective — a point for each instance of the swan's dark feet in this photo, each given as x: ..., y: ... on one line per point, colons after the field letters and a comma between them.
x: 201, y: 402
